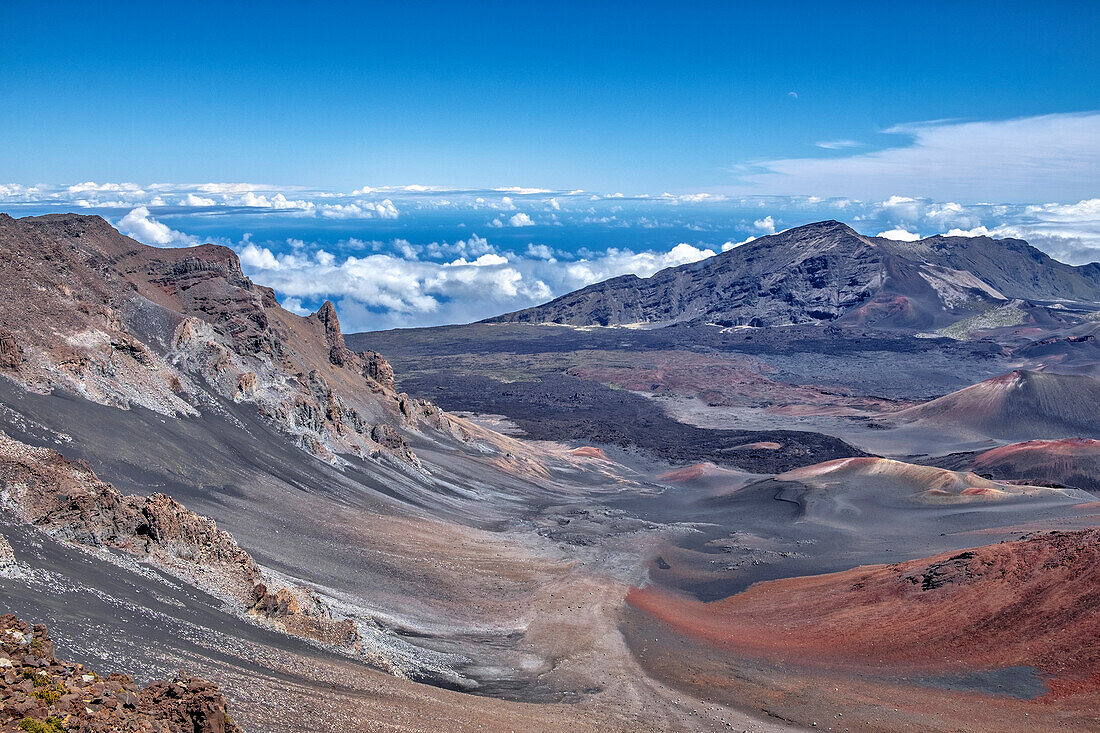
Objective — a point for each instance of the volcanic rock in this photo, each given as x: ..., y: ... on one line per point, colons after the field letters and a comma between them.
x: 11, y: 355
x: 377, y: 368
x: 174, y: 329
x: 68, y: 501
x: 38, y: 692
x: 827, y: 272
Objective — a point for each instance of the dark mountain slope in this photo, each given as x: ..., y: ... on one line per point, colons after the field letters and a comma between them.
x: 1012, y: 266
x: 827, y: 272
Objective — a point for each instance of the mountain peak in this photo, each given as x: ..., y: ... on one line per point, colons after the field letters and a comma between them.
x: 825, y: 225
x: 823, y: 272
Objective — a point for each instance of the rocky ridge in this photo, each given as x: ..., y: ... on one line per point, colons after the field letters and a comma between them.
x: 42, y: 694
x: 826, y: 272
x: 67, y: 500
x: 92, y: 312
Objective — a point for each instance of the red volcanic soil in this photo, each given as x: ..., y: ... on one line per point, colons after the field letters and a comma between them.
x: 1020, y: 404
x: 1032, y: 603
x: 685, y: 474
x: 588, y: 451
x: 889, y: 308
x: 708, y: 477
x: 1071, y: 462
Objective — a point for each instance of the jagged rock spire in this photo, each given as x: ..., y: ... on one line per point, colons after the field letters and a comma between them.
x: 326, y: 314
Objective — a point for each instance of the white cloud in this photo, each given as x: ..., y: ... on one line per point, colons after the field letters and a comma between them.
x: 899, y: 235
x: 259, y: 258
x: 896, y: 201
x: 193, y: 200
x: 1053, y: 157
x: 734, y: 245
x: 147, y: 230
x: 522, y: 191
x: 384, y: 209
x: 278, y: 201
x: 227, y: 188
x: 475, y: 246
x: 979, y: 231
x: 383, y: 290
x: 294, y: 305
x: 837, y: 144
x: 683, y: 253
x: 766, y: 225
x: 1087, y: 210
x: 696, y: 198
x: 540, y: 251
x: 92, y: 186
x: 792, y: 95
x: 486, y: 260
x: 520, y: 220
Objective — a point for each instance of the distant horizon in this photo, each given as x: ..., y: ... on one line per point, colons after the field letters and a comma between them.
x: 434, y: 163
x: 401, y: 258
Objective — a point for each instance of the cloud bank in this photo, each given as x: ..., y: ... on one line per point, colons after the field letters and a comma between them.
x: 409, y: 255
x: 386, y: 289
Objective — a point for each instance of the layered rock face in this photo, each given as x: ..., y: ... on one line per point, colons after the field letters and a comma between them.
x: 68, y: 501
x: 42, y: 694
x: 175, y: 330
x: 827, y: 272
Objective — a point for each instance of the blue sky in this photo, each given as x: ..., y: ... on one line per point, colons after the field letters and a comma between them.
x: 426, y: 162
x: 606, y: 96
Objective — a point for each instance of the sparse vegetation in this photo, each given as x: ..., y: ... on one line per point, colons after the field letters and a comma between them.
x: 49, y: 725
x: 1009, y: 314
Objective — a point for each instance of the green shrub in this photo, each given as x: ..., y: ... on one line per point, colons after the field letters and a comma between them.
x: 38, y: 679
x: 48, y: 696
x: 51, y: 725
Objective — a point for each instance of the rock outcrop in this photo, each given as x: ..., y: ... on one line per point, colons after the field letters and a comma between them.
x: 11, y: 355
x: 42, y: 694
x: 376, y: 368
x: 286, y: 607
x: 69, y: 502
x: 175, y: 330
